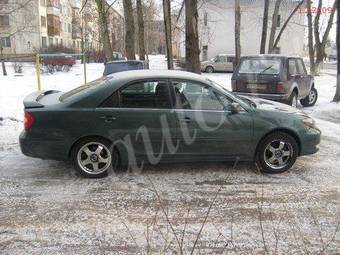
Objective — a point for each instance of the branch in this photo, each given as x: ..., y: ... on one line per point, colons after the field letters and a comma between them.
x: 286, y: 23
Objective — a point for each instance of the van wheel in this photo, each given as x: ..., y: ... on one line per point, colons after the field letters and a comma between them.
x: 209, y: 69
x: 293, y: 99
x: 311, y: 99
x: 93, y: 157
x: 277, y: 153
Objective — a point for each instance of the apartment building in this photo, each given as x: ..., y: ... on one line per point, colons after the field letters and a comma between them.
x: 29, y: 26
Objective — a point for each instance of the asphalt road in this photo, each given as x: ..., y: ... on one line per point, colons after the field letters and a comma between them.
x: 45, y: 208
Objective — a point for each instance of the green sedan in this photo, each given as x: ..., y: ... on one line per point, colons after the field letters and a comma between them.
x: 147, y: 116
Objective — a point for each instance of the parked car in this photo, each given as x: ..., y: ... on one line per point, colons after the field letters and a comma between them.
x: 60, y: 60
x: 101, y: 123
x: 124, y: 65
x: 219, y: 63
x: 275, y: 77
x: 118, y: 56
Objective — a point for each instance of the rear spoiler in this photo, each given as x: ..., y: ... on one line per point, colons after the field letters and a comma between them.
x: 32, y: 100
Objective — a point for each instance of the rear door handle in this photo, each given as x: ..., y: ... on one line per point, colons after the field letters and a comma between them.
x: 108, y: 118
x: 187, y: 119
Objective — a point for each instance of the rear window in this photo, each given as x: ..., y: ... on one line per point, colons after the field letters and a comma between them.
x: 260, y: 66
x: 82, y: 88
x: 122, y: 66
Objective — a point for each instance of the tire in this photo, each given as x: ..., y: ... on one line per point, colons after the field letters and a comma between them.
x: 93, y: 157
x: 292, y: 101
x: 311, y: 99
x: 277, y: 153
x: 209, y: 69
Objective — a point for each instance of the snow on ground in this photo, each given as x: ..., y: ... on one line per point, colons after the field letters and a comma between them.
x: 46, y: 208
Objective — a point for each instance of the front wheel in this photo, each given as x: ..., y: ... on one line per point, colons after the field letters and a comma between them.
x: 277, y: 153
x: 209, y: 69
x: 311, y: 99
x: 92, y: 157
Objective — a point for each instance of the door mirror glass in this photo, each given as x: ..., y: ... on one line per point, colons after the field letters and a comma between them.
x: 235, y: 108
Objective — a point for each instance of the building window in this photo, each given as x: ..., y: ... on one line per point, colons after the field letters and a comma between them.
x: 5, y: 42
x: 61, y: 42
x: 43, y: 21
x: 278, y: 24
x: 42, y: 3
x: 69, y: 28
x: 50, y: 41
x: 3, y: 1
x: 205, y: 19
x: 4, y: 20
x: 43, y: 42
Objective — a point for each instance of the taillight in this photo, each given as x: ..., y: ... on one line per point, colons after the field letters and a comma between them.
x: 233, y: 85
x: 28, y: 120
x: 280, y: 87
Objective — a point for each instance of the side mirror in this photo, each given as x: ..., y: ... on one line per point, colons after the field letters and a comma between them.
x: 235, y: 108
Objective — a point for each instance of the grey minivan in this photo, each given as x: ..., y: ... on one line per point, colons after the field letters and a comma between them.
x: 275, y: 77
x: 219, y: 63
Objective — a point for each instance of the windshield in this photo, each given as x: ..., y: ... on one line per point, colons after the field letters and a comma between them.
x: 260, y: 66
x: 82, y: 88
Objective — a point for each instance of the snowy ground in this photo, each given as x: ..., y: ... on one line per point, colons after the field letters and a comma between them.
x: 46, y: 208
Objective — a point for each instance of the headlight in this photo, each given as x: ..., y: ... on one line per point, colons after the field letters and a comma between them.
x: 309, y: 122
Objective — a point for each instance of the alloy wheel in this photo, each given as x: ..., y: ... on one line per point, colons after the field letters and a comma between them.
x: 277, y: 154
x: 311, y: 96
x: 94, y: 158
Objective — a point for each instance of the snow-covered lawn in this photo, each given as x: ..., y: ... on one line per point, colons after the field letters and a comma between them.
x: 45, y: 208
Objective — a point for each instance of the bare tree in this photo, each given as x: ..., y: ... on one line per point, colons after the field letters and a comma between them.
x: 129, y: 30
x: 337, y: 92
x: 285, y: 24
x: 237, y: 32
x: 310, y: 37
x: 320, y: 43
x: 264, y: 27
x: 274, y: 26
x: 141, y: 41
x: 192, y: 51
x: 168, y: 36
x: 104, y: 30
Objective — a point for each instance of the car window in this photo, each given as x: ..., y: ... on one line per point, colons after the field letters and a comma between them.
x: 301, y: 67
x: 260, y: 66
x: 292, y: 66
x: 111, y: 102
x: 230, y: 59
x: 190, y: 95
x: 145, y: 94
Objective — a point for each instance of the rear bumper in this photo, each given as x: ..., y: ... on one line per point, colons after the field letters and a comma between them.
x: 44, y: 149
x: 273, y: 97
x: 310, y: 142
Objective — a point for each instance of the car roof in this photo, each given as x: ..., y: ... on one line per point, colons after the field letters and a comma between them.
x: 156, y: 74
x: 125, y: 61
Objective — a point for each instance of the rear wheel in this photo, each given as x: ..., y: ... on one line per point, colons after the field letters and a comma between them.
x: 311, y: 99
x: 277, y: 153
x: 93, y: 157
x: 293, y: 99
x: 209, y: 69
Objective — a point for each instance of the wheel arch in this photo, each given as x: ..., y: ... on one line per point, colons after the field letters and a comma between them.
x: 205, y: 69
x: 283, y: 130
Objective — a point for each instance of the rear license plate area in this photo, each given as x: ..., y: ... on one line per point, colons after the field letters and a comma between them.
x: 256, y: 86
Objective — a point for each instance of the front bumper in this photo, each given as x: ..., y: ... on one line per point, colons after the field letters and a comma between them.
x: 273, y: 97
x: 310, y: 141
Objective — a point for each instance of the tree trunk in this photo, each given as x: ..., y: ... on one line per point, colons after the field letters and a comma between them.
x: 237, y: 33
x: 104, y: 30
x: 4, y: 71
x: 129, y: 30
x: 310, y: 38
x: 277, y: 40
x: 264, y: 27
x: 168, y: 37
x: 337, y: 92
x: 141, y: 41
x: 274, y: 26
x: 192, y: 52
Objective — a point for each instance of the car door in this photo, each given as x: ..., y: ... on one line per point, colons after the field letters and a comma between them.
x: 206, y: 126
x: 139, y: 116
x: 296, y: 80
x: 219, y: 63
x: 305, y: 78
x: 230, y: 64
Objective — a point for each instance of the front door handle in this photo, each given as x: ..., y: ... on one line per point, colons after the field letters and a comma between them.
x: 108, y: 118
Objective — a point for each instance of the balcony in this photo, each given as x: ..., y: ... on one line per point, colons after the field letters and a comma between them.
x: 53, y: 25
x: 53, y: 10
